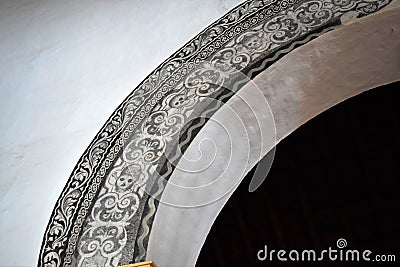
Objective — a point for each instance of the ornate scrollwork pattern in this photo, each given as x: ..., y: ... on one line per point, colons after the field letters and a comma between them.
x: 100, y: 209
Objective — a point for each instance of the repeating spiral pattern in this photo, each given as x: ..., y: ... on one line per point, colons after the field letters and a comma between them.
x: 105, y: 202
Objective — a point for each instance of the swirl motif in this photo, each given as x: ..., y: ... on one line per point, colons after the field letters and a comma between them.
x: 341, y: 243
x: 170, y: 94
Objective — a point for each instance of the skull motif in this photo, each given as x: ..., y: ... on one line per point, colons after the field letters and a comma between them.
x: 129, y: 176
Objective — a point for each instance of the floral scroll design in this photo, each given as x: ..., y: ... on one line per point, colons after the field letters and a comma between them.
x: 114, y: 171
x: 72, y: 206
x: 63, y: 230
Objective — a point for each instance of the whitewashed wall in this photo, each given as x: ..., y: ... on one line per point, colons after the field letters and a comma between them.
x: 64, y: 67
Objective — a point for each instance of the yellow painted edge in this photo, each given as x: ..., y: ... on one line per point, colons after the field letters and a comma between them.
x: 141, y: 264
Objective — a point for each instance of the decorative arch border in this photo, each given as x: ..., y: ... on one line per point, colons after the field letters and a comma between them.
x: 100, y: 219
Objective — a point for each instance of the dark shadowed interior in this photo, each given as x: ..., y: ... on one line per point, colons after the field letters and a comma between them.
x: 335, y: 177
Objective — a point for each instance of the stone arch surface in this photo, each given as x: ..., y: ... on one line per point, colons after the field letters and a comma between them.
x: 121, y: 203
x: 307, y: 93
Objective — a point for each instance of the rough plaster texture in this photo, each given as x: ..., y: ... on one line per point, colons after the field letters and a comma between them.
x: 309, y: 80
x: 64, y: 67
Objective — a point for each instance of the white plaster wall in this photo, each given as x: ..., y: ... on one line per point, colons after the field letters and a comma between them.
x: 64, y: 67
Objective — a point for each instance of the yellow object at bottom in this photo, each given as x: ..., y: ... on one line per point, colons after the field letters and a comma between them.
x: 141, y: 264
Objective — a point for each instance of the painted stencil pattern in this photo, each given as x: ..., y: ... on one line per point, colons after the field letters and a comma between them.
x: 99, y: 218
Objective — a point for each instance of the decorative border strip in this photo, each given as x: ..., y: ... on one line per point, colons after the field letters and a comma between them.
x: 88, y: 178
x: 191, y: 133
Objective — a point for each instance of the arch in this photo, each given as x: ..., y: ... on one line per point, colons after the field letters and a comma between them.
x: 102, y: 216
x: 334, y: 177
x: 293, y: 102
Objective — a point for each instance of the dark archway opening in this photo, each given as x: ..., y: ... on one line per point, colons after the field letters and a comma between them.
x: 335, y: 177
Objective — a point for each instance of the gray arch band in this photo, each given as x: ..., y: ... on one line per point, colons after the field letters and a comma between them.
x: 170, y: 156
